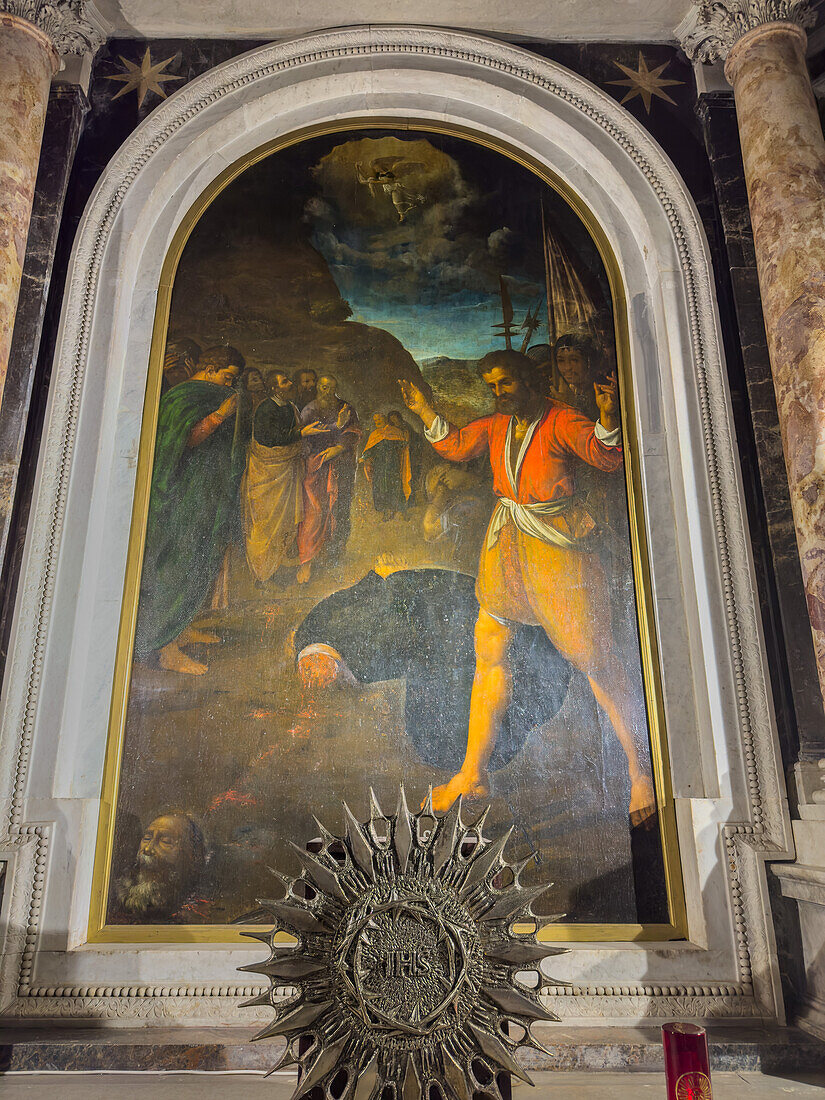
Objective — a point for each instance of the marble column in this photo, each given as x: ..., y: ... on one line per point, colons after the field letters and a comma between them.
x: 763, y: 46
x: 28, y: 60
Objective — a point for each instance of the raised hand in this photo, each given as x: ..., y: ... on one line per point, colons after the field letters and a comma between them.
x: 413, y: 398
x: 607, y: 399
x: 416, y: 402
x: 226, y: 408
x: 344, y: 417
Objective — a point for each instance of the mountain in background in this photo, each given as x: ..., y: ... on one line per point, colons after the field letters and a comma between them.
x: 276, y: 301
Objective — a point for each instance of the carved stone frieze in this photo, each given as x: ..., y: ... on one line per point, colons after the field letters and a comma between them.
x: 73, y: 26
x: 712, y: 27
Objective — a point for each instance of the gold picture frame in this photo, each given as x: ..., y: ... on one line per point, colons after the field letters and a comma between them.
x: 98, y: 930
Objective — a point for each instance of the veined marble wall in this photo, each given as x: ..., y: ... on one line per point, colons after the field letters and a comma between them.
x: 726, y: 768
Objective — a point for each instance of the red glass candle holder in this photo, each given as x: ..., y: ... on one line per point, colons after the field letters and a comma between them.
x: 687, y: 1066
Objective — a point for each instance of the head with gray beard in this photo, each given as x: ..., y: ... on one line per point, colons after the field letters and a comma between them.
x: 170, y: 861
x: 326, y: 397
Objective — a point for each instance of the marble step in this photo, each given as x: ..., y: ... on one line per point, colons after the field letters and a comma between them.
x: 574, y: 1085
x: 55, y: 1047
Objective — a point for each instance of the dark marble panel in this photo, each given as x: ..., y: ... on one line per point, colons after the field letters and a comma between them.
x: 64, y: 118
x: 67, y: 106
x: 778, y: 1050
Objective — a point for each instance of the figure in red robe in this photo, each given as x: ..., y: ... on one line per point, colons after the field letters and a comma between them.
x: 538, y: 565
x: 329, y: 479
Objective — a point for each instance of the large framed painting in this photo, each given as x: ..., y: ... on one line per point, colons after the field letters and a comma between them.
x: 387, y: 529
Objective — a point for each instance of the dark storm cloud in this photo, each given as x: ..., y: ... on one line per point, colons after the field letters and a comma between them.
x: 397, y: 219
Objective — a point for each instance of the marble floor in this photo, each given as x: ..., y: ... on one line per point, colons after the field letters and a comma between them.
x: 251, y: 1086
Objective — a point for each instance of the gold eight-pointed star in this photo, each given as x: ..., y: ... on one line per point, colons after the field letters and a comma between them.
x: 143, y: 78
x: 645, y: 82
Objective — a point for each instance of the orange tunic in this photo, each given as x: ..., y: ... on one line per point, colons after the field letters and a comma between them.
x: 547, y: 471
x: 548, y: 579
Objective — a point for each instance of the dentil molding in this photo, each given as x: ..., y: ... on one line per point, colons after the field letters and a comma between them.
x: 74, y: 26
x: 712, y: 27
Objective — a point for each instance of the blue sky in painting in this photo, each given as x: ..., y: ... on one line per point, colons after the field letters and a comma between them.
x: 430, y: 273
x: 460, y: 327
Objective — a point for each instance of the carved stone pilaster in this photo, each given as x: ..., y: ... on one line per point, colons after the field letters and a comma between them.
x: 712, y: 27
x: 74, y: 26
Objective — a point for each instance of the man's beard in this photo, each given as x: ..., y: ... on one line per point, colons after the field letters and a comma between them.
x: 509, y: 405
x: 152, y: 889
x: 326, y: 401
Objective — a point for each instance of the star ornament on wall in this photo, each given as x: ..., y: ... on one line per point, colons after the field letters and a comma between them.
x: 645, y: 82
x: 143, y: 78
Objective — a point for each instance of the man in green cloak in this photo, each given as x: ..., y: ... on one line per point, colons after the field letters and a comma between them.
x: 194, y: 495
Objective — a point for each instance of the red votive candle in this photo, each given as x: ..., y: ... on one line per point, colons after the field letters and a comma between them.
x: 687, y: 1066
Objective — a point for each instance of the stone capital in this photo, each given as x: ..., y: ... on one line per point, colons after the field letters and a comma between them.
x: 72, y: 26
x: 712, y: 28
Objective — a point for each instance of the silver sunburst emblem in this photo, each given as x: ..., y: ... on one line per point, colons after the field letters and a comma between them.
x: 410, y: 972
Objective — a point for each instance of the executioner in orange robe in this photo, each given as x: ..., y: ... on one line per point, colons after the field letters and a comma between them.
x: 538, y: 563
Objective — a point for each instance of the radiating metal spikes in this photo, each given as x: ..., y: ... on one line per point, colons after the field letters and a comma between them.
x: 406, y: 959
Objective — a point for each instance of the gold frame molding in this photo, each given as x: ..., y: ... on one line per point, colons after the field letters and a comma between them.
x: 98, y: 930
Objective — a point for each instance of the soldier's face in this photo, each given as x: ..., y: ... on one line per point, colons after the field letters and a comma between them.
x: 573, y: 367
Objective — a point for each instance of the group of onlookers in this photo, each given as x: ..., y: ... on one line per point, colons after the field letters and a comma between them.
x: 268, y: 460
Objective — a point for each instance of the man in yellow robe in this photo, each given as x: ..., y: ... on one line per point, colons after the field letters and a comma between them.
x: 272, y: 504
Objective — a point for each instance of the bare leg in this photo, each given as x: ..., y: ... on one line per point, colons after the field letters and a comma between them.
x: 173, y: 659
x: 571, y: 618
x: 642, y: 794
x: 492, y: 687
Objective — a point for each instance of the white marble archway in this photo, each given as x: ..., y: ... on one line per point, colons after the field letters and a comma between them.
x: 730, y: 794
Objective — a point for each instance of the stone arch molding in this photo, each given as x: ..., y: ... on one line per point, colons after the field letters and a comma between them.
x: 730, y: 797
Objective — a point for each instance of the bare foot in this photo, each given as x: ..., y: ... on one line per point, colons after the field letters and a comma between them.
x: 192, y: 636
x: 173, y: 659
x: 468, y: 786
x: 642, y: 802
x: 303, y: 574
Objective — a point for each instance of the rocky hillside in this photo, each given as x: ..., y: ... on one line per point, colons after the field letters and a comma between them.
x: 277, y: 302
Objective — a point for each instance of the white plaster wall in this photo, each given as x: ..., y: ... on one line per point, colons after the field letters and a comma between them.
x: 730, y: 797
